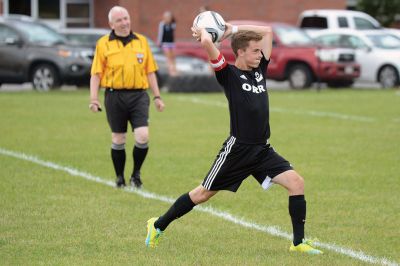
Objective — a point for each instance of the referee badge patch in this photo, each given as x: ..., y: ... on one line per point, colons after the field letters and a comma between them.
x: 140, y: 57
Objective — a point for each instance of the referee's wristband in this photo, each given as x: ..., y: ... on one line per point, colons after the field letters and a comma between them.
x: 156, y: 97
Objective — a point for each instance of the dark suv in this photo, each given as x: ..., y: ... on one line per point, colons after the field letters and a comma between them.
x: 33, y: 52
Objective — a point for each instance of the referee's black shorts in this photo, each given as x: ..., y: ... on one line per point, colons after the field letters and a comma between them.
x: 126, y: 105
x: 236, y: 161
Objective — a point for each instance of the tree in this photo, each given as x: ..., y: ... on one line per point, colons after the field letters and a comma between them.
x: 384, y: 11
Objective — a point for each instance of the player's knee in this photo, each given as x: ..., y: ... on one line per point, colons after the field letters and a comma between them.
x: 199, y: 196
x: 297, y: 184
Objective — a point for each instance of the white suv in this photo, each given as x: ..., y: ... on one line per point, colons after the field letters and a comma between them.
x: 316, y: 19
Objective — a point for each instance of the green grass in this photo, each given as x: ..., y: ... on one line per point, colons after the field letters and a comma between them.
x: 351, y: 167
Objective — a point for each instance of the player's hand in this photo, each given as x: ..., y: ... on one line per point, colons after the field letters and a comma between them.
x: 95, y: 106
x: 196, y: 33
x: 228, y: 31
x: 200, y: 34
x: 159, y: 104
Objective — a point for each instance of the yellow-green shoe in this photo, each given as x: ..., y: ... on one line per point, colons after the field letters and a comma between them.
x: 153, y: 234
x: 305, y: 247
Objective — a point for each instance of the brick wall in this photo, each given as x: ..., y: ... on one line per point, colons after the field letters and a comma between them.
x: 145, y: 15
x: 1, y: 7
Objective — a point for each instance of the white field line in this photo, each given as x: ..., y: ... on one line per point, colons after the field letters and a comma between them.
x: 281, y: 110
x: 272, y: 230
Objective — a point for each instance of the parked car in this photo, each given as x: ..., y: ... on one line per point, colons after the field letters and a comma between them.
x: 187, y: 66
x: 294, y: 58
x: 377, y: 52
x: 33, y: 52
x: 313, y: 20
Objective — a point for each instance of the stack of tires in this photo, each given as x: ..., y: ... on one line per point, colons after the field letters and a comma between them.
x: 192, y: 84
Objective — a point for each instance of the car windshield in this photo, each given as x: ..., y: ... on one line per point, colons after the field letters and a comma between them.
x: 293, y: 36
x: 38, y: 33
x: 385, y: 41
x: 82, y: 39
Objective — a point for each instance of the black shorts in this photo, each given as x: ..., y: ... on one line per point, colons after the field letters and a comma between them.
x: 126, y: 105
x: 235, y: 162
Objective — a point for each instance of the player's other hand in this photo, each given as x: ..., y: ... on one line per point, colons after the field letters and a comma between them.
x: 95, y: 106
x: 228, y: 31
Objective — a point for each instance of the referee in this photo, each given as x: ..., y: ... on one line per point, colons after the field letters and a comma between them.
x: 124, y: 65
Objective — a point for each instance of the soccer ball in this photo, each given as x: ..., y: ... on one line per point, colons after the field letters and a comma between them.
x: 212, y: 22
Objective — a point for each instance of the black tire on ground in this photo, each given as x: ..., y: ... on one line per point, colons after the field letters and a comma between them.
x: 45, y: 77
x: 340, y: 84
x: 388, y: 77
x: 299, y: 76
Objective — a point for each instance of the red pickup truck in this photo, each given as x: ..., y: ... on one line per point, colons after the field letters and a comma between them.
x: 294, y: 58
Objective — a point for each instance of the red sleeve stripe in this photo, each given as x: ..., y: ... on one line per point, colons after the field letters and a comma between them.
x: 218, y: 63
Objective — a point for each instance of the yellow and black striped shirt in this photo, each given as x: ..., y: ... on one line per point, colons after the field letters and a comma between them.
x: 123, y: 66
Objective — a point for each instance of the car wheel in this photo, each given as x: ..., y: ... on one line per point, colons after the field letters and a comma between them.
x: 45, y: 77
x: 388, y: 77
x: 299, y: 77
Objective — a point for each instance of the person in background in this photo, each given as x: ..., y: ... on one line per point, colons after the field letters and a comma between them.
x: 166, y: 40
x: 123, y: 64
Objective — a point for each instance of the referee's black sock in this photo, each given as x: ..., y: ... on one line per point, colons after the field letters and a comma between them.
x: 139, y: 154
x: 297, y: 211
x: 118, y: 157
x: 181, y: 206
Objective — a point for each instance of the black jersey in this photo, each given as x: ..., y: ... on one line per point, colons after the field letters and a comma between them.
x: 248, y: 100
x: 166, y: 32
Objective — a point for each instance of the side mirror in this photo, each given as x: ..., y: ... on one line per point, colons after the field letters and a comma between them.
x: 13, y: 41
x: 368, y: 49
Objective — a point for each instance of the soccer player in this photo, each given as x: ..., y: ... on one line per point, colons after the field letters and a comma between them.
x: 247, y: 150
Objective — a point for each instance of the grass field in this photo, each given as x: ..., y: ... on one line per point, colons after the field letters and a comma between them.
x: 346, y: 144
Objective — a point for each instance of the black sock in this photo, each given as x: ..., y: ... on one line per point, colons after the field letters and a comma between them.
x: 297, y: 211
x: 118, y: 158
x: 139, y: 154
x: 181, y: 206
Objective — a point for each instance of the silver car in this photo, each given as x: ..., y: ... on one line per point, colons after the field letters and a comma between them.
x: 32, y: 52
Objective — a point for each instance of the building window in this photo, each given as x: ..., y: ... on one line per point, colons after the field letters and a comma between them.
x: 49, y: 9
x: 78, y: 14
x: 22, y: 7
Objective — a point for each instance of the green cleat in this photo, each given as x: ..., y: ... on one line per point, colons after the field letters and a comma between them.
x: 305, y: 247
x: 153, y: 234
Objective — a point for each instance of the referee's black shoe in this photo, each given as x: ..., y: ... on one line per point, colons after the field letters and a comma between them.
x: 135, y: 180
x: 120, y: 181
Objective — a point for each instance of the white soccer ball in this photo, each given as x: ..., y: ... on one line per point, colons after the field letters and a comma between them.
x: 212, y: 22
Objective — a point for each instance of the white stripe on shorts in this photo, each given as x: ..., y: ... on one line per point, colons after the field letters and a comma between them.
x: 220, y: 161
